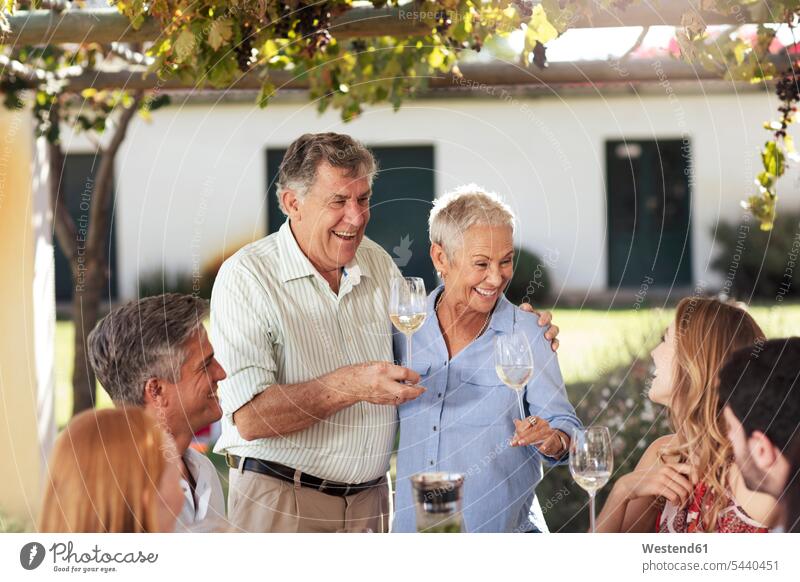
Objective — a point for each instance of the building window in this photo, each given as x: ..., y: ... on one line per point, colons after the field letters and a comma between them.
x: 649, y: 211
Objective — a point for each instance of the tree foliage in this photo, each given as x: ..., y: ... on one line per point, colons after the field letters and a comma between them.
x: 215, y: 42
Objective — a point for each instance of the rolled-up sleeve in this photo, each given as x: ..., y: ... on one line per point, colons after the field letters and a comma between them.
x: 242, y: 336
x: 546, y: 393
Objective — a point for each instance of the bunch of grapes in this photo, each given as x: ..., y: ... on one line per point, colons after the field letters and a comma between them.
x: 244, y: 50
x: 786, y: 88
x: 443, y: 22
x: 788, y: 92
x: 313, y: 24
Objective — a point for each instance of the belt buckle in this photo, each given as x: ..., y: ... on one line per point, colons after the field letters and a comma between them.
x: 229, y: 461
x: 325, y: 483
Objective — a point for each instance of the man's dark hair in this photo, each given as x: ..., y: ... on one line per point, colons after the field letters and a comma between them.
x: 791, y: 496
x: 760, y: 385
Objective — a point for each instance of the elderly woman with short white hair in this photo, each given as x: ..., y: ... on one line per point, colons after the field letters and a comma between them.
x: 468, y: 420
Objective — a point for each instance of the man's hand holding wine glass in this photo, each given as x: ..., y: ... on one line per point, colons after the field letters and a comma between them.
x: 375, y: 382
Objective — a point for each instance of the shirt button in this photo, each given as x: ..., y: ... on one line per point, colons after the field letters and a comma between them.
x: 431, y: 463
x: 434, y: 428
x: 439, y: 395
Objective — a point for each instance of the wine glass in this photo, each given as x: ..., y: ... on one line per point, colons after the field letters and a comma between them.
x: 591, y: 461
x: 514, y: 363
x: 407, y: 307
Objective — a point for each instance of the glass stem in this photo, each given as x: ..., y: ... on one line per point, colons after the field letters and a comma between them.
x: 408, y: 350
x: 591, y: 512
x: 521, y: 407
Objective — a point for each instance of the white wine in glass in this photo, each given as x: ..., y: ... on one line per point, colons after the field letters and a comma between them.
x: 591, y: 461
x: 407, y: 308
x: 513, y: 362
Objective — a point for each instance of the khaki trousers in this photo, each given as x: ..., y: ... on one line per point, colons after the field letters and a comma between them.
x: 261, y: 503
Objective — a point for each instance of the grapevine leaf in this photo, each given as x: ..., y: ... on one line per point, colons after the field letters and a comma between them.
x: 219, y: 33
x: 539, y: 28
x: 184, y: 45
x: 773, y: 159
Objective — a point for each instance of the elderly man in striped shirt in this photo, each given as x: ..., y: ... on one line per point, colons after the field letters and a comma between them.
x: 299, y: 321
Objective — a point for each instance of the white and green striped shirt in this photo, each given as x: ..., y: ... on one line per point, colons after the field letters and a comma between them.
x: 275, y: 320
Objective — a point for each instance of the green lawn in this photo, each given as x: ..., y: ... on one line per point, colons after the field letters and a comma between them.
x: 593, y: 342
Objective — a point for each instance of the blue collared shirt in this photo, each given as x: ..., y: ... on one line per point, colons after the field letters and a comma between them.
x: 463, y: 423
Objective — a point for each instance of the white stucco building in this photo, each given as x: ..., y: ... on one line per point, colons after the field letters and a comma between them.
x: 192, y: 184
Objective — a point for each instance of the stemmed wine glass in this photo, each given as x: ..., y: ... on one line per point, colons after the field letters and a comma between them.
x: 591, y: 461
x: 514, y: 363
x: 407, y: 307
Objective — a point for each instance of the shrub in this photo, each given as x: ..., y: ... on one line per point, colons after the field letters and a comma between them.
x: 158, y: 281
x: 531, y: 281
x: 759, y: 264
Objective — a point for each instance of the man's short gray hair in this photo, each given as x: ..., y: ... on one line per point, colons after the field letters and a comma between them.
x: 141, y: 340
x: 462, y: 208
x: 298, y: 170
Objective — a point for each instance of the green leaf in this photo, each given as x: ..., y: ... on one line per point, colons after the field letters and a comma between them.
x: 773, y: 159
x: 266, y: 92
x: 219, y: 33
x: 158, y: 102
x: 765, y: 179
x: 740, y: 51
x: 539, y: 28
x: 184, y: 45
x: 436, y: 58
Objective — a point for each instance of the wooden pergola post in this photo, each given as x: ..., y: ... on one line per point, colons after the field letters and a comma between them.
x: 27, y: 319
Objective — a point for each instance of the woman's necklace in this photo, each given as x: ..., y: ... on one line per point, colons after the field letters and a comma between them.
x: 480, y: 331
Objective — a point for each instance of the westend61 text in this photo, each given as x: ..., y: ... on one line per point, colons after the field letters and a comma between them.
x: 675, y: 549
x: 65, y: 553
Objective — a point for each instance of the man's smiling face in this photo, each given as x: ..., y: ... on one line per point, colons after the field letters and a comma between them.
x: 329, y: 222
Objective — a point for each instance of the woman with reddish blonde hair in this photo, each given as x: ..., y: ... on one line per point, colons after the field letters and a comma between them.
x: 687, y: 481
x: 112, y: 471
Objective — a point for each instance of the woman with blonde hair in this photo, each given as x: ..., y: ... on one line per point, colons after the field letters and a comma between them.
x: 687, y: 481
x: 112, y: 471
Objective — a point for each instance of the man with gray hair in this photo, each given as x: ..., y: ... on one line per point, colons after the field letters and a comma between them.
x: 300, y: 321
x: 155, y: 353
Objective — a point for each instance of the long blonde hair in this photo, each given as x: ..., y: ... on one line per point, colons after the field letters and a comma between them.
x: 105, y: 470
x: 706, y: 332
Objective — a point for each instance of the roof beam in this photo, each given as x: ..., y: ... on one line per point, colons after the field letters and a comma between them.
x: 475, y: 76
x: 106, y: 25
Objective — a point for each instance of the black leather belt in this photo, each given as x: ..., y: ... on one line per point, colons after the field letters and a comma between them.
x: 287, y: 474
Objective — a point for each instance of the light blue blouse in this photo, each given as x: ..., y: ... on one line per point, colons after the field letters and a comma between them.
x: 463, y: 423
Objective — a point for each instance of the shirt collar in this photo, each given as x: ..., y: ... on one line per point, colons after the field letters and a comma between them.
x: 294, y: 264
x: 503, y: 318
